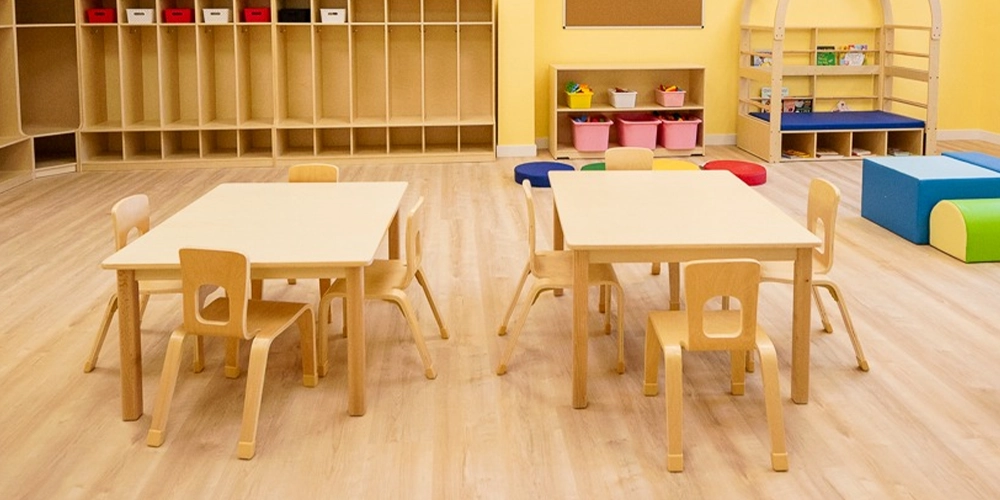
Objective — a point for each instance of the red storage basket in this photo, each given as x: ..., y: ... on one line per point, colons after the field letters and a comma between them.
x: 678, y: 134
x: 98, y: 16
x: 637, y: 130
x: 257, y: 15
x: 178, y: 15
x: 591, y: 136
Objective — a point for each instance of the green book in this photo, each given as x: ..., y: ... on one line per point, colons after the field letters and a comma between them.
x: 826, y: 55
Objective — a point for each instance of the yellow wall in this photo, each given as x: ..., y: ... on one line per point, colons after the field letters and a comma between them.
x: 967, y: 99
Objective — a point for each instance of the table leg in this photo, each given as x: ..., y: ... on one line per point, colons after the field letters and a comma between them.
x: 355, y: 327
x: 581, y: 270
x: 130, y: 345
x: 557, y: 238
x: 394, y: 237
x: 801, y: 311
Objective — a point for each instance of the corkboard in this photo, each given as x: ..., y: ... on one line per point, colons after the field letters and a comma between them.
x: 632, y: 13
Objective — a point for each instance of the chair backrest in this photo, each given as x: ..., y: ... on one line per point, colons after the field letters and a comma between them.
x: 530, y: 203
x: 730, y: 329
x: 127, y: 215
x: 628, y: 158
x: 414, y: 245
x: 821, y: 219
x: 313, y: 172
x: 215, y: 268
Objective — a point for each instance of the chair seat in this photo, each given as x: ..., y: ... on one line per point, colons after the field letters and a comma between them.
x: 671, y: 327
x: 750, y: 173
x: 784, y: 272
x: 160, y: 286
x: 556, y: 267
x: 265, y: 318
x: 538, y: 172
x: 381, y: 277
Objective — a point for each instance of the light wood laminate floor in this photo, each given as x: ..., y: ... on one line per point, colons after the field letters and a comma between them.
x: 924, y: 423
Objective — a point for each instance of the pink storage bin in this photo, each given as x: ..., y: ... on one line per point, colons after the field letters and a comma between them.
x: 591, y: 136
x: 676, y: 134
x: 637, y: 130
x: 670, y: 99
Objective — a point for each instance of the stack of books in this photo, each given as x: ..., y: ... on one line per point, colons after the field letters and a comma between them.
x: 860, y: 152
x: 826, y: 153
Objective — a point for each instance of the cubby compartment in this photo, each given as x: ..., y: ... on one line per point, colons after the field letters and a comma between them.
x: 295, y: 76
x: 475, y: 88
x: 833, y: 145
x: 440, y: 11
x: 256, y: 143
x: 804, y: 143
x: 255, y: 70
x: 405, y: 83
x: 10, y: 118
x: 217, y: 76
x: 366, y: 11
x: 441, y: 140
x: 874, y: 142
x: 15, y: 164
x: 333, y: 75
x: 215, y: 15
x: 219, y: 144
x: 406, y: 141
x: 143, y: 146
x: 51, y: 11
x: 181, y: 145
x: 179, y: 76
x: 298, y: 142
x: 369, y: 75
x: 333, y: 142
x: 55, y: 154
x: 905, y: 141
x: 404, y: 11
x: 254, y: 11
x: 101, y: 147
x: 476, y: 139
x: 47, y: 71
x: 370, y: 141
x: 6, y: 13
x: 475, y: 11
x: 101, y: 78
x: 140, y: 77
x: 441, y: 72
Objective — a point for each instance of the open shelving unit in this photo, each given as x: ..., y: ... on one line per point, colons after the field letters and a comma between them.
x: 642, y: 78
x: 899, y: 76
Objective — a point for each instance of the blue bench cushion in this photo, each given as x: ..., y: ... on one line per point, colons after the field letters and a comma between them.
x: 898, y: 193
x: 979, y: 159
x: 538, y: 172
x: 843, y: 120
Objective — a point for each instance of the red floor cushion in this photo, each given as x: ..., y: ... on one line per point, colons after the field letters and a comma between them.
x: 750, y: 173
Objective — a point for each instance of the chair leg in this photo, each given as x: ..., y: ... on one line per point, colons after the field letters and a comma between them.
x: 419, y: 274
x: 399, y: 298
x: 750, y: 364
x: 232, y: 369
x: 606, y: 307
x: 823, y: 316
x: 143, y: 302
x: 199, y: 354
x: 651, y: 367
x: 621, y: 329
x: 307, y: 334
x: 324, y: 285
x: 737, y: 368
x: 655, y: 271
x: 102, y: 332
x: 259, y: 350
x: 292, y: 281
x: 168, y: 380
x: 839, y: 297
x: 322, y: 345
x: 674, y: 268
x: 513, y: 300
x: 674, y: 383
x: 602, y: 302
x: 532, y: 295
x: 772, y: 404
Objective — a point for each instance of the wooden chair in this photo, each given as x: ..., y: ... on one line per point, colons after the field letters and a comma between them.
x: 821, y: 219
x: 698, y: 329
x: 129, y: 216
x: 388, y: 280
x: 632, y: 158
x: 233, y: 315
x: 553, y: 270
x: 314, y: 172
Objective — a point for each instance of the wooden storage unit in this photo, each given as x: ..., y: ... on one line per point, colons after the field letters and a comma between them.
x: 642, y: 78
x: 781, y: 56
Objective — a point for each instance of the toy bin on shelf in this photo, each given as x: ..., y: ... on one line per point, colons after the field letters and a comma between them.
x: 293, y: 15
x: 139, y: 16
x: 679, y: 134
x: 100, y: 16
x: 257, y: 15
x: 178, y: 15
x: 333, y: 16
x: 215, y: 16
x: 637, y: 130
x: 622, y: 99
x: 670, y: 99
x: 579, y: 100
x: 591, y: 135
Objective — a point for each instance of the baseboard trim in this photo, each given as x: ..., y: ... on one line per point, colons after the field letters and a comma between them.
x: 968, y: 135
x: 517, y: 151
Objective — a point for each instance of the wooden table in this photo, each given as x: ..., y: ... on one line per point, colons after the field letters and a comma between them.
x: 676, y: 216
x: 286, y: 230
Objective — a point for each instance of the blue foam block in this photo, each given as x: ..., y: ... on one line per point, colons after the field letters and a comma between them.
x: 898, y: 193
x: 538, y: 172
x: 979, y: 159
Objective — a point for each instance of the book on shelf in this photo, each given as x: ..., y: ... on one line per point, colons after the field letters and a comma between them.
x: 826, y: 55
x: 853, y: 54
x: 898, y: 152
x: 860, y: 152
x: 761, y: 58
x: 827, y: 153
x: 788, y: 104
x: 794, y: 153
